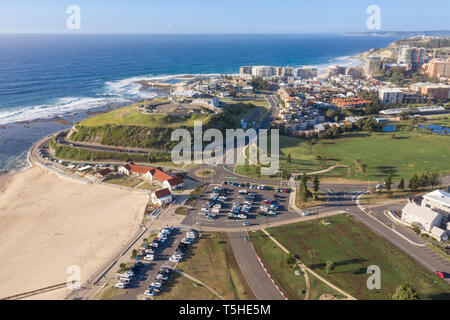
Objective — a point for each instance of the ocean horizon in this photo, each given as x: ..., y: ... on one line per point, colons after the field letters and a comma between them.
x: 43, y: 76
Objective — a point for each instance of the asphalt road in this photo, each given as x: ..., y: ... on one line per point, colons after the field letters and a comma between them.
x: 254, y: 274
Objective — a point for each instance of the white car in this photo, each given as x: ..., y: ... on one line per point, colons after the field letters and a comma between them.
x: 191, y: 235
x: 173, y: 259
x: 120, y: 285
x: 149, y: 292
x: 149, y: 257
x: 156, y: 284
x: 149, y: 251
x: 162, y: 277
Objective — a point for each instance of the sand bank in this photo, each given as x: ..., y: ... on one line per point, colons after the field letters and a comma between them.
x: 48, y: 224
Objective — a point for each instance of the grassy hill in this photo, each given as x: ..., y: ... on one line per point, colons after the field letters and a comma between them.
x: 129, y: 127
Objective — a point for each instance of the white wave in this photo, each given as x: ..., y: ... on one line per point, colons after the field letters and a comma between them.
x: 61, y: 107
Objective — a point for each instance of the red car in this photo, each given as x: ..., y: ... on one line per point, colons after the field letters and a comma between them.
x: 440, y: 274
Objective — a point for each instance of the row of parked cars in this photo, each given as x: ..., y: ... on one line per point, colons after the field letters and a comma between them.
x: 247, y: 185
x: 212, y: 207
x: 238, y: 212
x: 127, y: 277
x: 163, y: 275
x: 162, y: 237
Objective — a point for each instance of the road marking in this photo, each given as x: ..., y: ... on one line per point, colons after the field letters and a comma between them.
x: 185, y: 227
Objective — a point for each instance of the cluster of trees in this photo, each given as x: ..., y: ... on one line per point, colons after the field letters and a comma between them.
x: 400, y: 76
x: 260, y: 84
x: 367, y: 125
x: 406, y: 292
x: 426, y: 179
x: 303, y: 191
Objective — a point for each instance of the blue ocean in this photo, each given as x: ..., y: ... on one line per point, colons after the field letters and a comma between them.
x: 48, y: 82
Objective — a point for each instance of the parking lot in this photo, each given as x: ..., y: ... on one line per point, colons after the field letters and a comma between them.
x: 202, y: 214
x: 149, y: 276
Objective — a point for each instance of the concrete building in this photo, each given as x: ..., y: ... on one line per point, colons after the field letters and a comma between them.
x: 439, y: 68
x: 438, y: 200
x: 373, y: 65
x: 391, y: 95
x: 424, y: 217
x: 307, y: 73
x: 436, y: 90
x: 411, y: 56
x: 263, y: 71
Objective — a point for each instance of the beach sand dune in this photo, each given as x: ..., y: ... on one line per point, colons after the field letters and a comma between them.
x: 48, y: 224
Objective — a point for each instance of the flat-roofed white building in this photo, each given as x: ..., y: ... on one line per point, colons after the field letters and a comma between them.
x: 425, y: 217
x: 391, y: 95
x: 437, y: 200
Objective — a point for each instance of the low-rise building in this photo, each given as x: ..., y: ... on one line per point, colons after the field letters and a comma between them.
x: 439, y: 201
x: 162, y: 197
x: 424, y: 217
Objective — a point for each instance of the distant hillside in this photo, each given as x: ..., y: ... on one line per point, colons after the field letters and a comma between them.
x: 403, y: 34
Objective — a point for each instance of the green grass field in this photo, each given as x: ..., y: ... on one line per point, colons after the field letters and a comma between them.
x: 407, y: 154
x: 211, y: 260
x: 352, y: 247
x: 130, y: 116
x: 275, y: 261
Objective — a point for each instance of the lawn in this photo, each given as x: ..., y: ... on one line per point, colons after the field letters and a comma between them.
x: 130, y: 116
x: 147, y: 186
x: 211, y: 260
x: 275, y: 261
x: 352, y: 247
x: 318, y: 288
x: 182, y: 288
x: 109, y: 292
x: 182, y: 211
x: 407, y: 154
x: 127, y: 182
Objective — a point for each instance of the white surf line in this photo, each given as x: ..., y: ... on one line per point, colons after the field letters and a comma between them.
x: 395, y: 231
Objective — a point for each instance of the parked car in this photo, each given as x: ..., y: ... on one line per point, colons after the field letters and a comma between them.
x: 440, y: 274
x: 149, y: 257
x: 120, y: 285
x: 149, y: 292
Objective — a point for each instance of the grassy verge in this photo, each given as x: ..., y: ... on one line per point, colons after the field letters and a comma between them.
x: 182, y: 211
x: 211, y: 260
x: 310, y: 203
x: 127, y: 182
x: 182, y: 288
x: 147, y: 186
x: 352, y: 247
x: 275, y: 261
x: 109, y: 292
x: 318, y: 288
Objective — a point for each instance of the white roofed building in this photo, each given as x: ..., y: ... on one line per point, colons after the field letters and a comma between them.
x: 423, y: 216
x: 439, y: 201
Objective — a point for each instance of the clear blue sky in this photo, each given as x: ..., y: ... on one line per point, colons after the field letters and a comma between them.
x: 222, y: 16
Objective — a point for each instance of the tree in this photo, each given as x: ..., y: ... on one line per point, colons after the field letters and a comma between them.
x: 413, y: 183
x: 358, y: 167
x: 312, y: 254
x: 401, y: 185
x: 289, y: 159
x: 406, y: 292
x: 329, y: 266
x: 316, y: 184
x: 388, y: 181
x: 290, y: 260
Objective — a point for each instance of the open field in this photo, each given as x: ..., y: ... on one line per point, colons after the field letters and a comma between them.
x: 179, y: 287
x: 407, y: 154
x: 318, y: 288
x: 211, y: 260
x: 130, y: 116
x: 352, y: 247
x: 275, y: 261
x: 49, y: 223
x: 125, y: 182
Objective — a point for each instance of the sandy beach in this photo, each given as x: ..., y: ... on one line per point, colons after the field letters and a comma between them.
x: 48, y: 224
